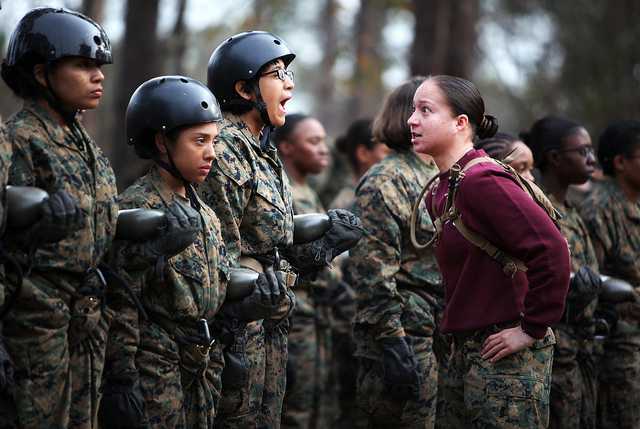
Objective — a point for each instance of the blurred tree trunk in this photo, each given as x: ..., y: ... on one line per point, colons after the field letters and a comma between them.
x: 600, y: 74
x: 176, y: 45
x: 326, y: 82
x: 137, y: 61
x: 367, y: 86
x: 94, y: 9
x: 444, y: 37
x: 589, y: 69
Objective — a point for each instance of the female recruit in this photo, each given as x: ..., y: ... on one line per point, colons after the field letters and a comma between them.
x: 251, y: 194
x: 399, y: 290
x: 501, y: 145
x: 611, y: 215
x: 362, y: 151
x: 162, y: 356
x: 56, y: 330
x: 310, y: 400
x: 564, y: 156
x: 500, y: 370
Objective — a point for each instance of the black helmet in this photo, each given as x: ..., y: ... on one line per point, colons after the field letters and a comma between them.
x: 164, y: 103
x: 55, y: 33
x: 240, y: 57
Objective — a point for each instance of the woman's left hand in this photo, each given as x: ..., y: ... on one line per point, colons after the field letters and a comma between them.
x: 505, y: 342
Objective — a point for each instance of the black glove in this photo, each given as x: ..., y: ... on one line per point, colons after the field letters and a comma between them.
x: 122, y: 404
x: 6, y: 369
x: 605, y: 318
x: 183, y: 226
x: 345, y: 232
x: 585, y: 286
x: 269, y: 292
x: 61, y: 216
x: 400, y: 368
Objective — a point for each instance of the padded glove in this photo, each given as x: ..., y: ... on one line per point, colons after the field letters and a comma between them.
x: 585, y: 286
x: 630, y: 309
x: 122, y: 404
x: 345, y: 232
x: 270, y: 290
x: 400, y: 368
x: 6, y: 368
x: 61, y: 216
x: 183, y: 226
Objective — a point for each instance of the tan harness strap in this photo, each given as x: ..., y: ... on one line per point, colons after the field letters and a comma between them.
x: 414, y: 216
x: 510, y: 264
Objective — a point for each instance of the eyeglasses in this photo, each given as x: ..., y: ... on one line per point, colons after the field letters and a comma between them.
x: 583, y: 150
x: 282, y: 74
x: 630, y: 155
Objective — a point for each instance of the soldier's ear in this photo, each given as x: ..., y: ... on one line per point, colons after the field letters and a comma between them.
x: 242, y: 90
x: 39, y: 73
x: 285, y: 148
x: 162, y: 149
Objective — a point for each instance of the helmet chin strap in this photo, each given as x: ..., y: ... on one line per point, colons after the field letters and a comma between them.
x: 173, y: 170
x: 261, y: 107
x: 264, y: 114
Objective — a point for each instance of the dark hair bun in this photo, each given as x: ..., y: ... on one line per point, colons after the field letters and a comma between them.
x: 488, y: 127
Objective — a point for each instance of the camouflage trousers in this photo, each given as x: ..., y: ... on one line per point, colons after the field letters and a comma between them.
x: 258, y: 405
x: 573, y: 381
x: 58, y: 359
x: 181, y: 391
x: 511, y: 393
x: 619, y: 379
x: 387, y: 411
x: 345, y: 364
x: 442, y: 351
x: 310, y: 401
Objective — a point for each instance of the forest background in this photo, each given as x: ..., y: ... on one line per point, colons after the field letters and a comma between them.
x: 580, y: 58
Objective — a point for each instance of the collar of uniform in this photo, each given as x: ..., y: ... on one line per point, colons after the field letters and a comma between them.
x: 418, y: 164
x: 631, y: 210
x: 241, y: 125
x: 167, y: 194
x: 56, y: 132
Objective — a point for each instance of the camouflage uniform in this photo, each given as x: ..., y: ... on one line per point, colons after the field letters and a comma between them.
x: 56, y: 342
x: 614, y: 225
x: 181, y: 384
x: 573, y: 380
x: 310, y: 402
x: 387, y: 272
x: 511, y: 393
x: 351, y: 416
x: 251, y: 195
x: 5, y: 162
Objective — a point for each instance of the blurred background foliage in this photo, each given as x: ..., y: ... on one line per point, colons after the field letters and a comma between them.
x: 580, y: 58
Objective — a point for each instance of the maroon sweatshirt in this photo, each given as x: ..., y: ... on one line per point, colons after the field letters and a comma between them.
x: 478, y: 293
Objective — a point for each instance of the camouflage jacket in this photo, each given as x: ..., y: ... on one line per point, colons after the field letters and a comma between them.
x: 251, y: 195
x: 582, y: 252
x: 5, y: 162
x: 48, y: 157
x: 250, y: 192
x: 305, y: 201
x: 614, y: 225
x: 385, y: 259
x: 194, y: 284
